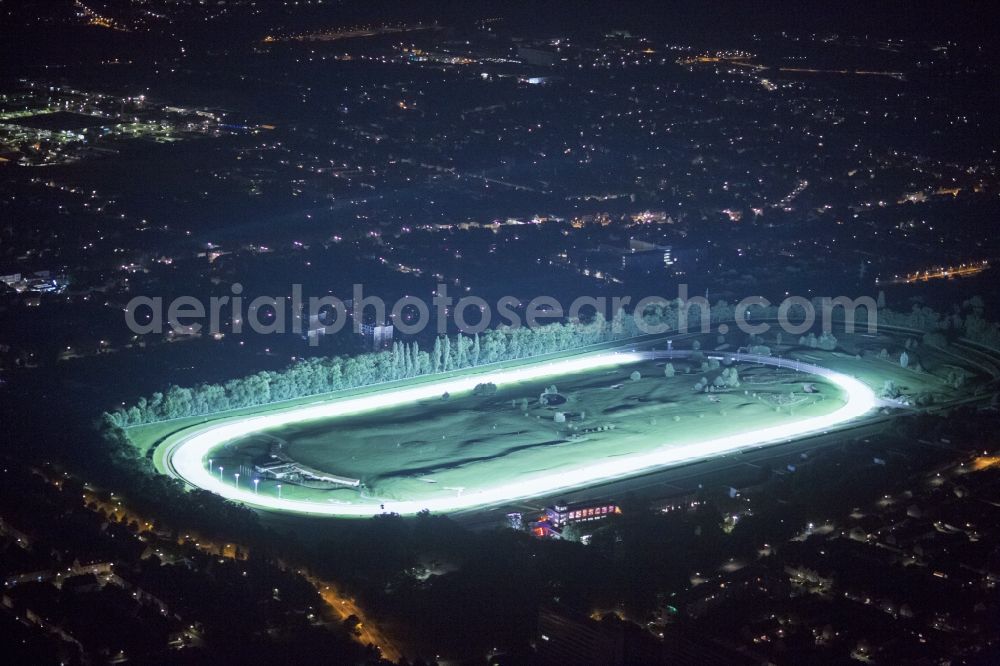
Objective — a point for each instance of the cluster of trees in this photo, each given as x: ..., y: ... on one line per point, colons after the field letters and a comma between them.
x: 890, y: 390
x: 965, y: 320
x: 981, y: 331
x: 314, y: 376
x: 486, y: 389
x: 323, y: 374
x: 728, y: 378
x: 320, y: 375
x: 825, y: 341
x: 550, y: 395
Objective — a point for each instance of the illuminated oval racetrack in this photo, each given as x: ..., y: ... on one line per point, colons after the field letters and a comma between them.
x: 186, y: 456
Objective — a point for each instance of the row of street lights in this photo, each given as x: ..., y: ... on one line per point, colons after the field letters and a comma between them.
x: 236, y: 477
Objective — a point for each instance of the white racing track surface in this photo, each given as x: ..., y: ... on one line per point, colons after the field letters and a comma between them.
x: 187, y: 456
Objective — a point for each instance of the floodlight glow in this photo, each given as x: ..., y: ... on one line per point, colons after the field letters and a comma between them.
x: 187, y: 456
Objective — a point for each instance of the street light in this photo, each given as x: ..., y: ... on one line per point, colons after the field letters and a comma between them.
x: 209, y: 463
x: 279, y: 491
x: 256, y: 482
x: 237, y: 475
x: 220, y: 472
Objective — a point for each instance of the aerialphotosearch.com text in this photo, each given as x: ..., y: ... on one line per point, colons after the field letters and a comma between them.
x: 314, y: 316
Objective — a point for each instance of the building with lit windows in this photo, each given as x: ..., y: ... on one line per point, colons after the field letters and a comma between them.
x: 565, y: 514
x: 560, y: 515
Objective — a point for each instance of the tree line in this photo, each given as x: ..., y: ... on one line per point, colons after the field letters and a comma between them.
x: 319, y: 375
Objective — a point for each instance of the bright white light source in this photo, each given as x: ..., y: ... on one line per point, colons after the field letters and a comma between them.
x: 187, y: 456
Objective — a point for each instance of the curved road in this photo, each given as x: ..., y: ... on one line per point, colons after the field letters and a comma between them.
x: 185, y: 455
